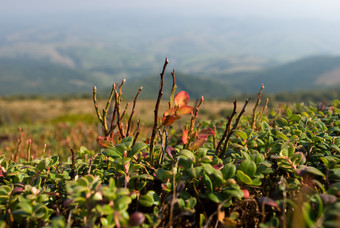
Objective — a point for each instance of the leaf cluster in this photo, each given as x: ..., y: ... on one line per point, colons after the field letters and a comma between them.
x: 277, y: 169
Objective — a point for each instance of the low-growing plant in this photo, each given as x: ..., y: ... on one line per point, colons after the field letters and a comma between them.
x: 268, y: 169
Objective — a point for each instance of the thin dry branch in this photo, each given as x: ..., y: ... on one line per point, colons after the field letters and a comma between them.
x: 160, y: 93
x: 195, y: 114
x: 263, y: 110
x: 258, y: 101
x: 103, y: 118
x: 174, y: 86
x: 235, y: 125
x: 133, y: 111
x: 136, y: 133
x: 227, y: 128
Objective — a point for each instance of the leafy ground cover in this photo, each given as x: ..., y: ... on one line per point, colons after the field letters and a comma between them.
x: 264, y: 169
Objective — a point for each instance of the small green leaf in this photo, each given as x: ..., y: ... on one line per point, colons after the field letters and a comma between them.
x: 228, y: 171
x: 314, y: 171
x: 146, y: 201
x: 151, y: 198
x: 112, y: 152
x: 185, y: 162
x: 279, y: 134
x: 248, y: 167
x: 136, y: 148
x: 216, y: 197
x: 83, y: 182
x: 195, y: 172
x: 208, y: 168
x: 243, y: 177
x: 122, y: 203
x: 188, y: 154
x: 242, y: 134
x: 310, y: 169
x: 208, y: 183
x: 122, y: 148
x: 142, y: 176
x: 43, y: 164
x: 163, y: 174
x: 26, y: 207
x: 237, y: 193
x: 105, y: 209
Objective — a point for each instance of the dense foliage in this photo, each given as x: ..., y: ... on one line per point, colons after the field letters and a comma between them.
x: 280, y: 169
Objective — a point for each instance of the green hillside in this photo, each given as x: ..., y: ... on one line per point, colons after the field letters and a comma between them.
x: 27, y: 76
x: 196, y: 87
x: 299, y: 75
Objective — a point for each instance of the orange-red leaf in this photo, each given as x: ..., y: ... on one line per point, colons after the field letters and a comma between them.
x: 168, y: 112
x: 182, y: 99
x: 185, y: 136
x: 184, y: 110
x: 169, y: 119
x: 197, y: 143
x: 206, y: 132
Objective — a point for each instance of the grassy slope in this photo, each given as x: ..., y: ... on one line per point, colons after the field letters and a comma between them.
x: 27, y: 76
x: 295, y: 76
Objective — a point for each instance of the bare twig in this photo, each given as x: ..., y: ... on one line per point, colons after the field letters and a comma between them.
x: 73, y: 157
x: 253, y: 122
x: 133, y: 111
x: 264, y: 108
x: 194, y: 115
x: 29, y: 143
x: 96, y: 104
x: 174, y: 86
x: 154, y: 130
x: 102, y: 119
x: 193, y: 119
x: 164, y: 141
x: 124, y: 112
x: 227, y: 128
x: 136, y: 133
x: 118, y: 98
x: 173, y: 201
x: 73, y: 172
x: 235, y: 125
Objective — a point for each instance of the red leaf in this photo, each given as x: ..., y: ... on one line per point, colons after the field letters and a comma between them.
x: 269, y: 202
x: 206, y: 132
x: 185, y: 136
x: 182, y: 99
x: 218, y: 166
x: 104, y: 141
x: 170, y: 151
x: 184, y: 110
x: 170, y: 119
x: 198, y: 143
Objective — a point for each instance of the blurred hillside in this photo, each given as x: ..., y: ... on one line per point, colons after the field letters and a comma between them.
x: 215, y: 56
x: 31, y: 77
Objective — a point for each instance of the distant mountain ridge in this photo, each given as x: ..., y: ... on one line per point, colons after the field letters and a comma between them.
x: 27, y: 76
x: 309, y: 73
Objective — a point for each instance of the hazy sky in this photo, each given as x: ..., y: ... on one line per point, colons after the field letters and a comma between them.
x: 317, y: 9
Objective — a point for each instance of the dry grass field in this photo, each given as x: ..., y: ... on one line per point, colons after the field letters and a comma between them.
x: 53, y: 125
x: 42, y: 111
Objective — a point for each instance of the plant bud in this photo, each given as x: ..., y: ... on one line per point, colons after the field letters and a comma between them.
x: 245, y: 193
x: 137, y: 219
x: 17, y: 190
x: 231, y: 182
